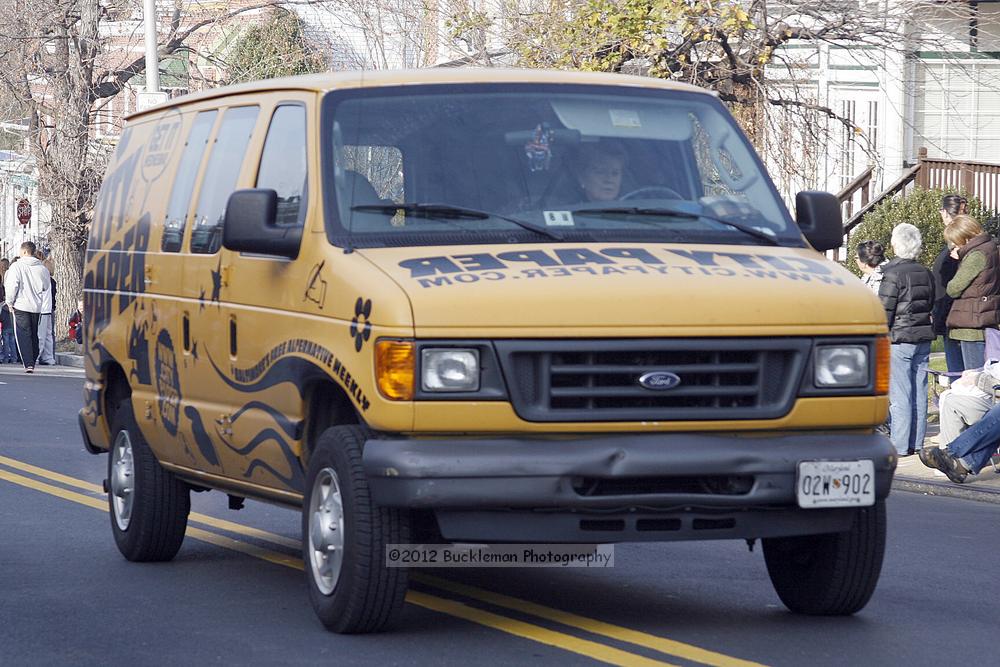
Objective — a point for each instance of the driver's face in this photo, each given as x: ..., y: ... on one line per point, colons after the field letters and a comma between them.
x: 601, y: 179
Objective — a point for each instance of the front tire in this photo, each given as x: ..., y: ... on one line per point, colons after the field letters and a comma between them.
x: 833, y: 574
x: 344, y: 539
x: 149, y: 506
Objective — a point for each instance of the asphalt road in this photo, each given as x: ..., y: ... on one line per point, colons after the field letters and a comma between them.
x: 233, y: 595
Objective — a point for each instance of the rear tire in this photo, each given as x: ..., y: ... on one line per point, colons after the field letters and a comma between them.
x: 344, y: 536
x: 833, y: 574
x: 148, y: 505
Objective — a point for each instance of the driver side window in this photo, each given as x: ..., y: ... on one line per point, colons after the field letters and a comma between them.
x: 283, y: 164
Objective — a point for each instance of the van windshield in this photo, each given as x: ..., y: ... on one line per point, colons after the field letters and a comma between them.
x: 440, y: 165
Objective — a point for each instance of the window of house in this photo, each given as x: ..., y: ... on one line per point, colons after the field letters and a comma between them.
x: 223, y: 170
x: 187, y: 172
x: 957, y: 109
x: 283, y: 162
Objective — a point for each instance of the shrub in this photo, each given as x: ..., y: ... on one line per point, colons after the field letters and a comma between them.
x: 919, y: 207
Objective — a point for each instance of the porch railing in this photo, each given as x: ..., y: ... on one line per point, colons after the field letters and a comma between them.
x: 978, y: 179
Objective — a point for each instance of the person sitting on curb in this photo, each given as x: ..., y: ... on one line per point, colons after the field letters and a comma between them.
x: 964, y: 404
x: 970, y: 452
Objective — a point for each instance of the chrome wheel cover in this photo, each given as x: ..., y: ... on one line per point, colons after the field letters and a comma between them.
x: 326, y: 531
x: 122, y: 480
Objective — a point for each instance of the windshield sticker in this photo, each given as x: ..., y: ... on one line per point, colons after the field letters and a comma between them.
x: 625, y: 118
x: 539, y: 149
x: 564, y: 262
x: 558, y: 218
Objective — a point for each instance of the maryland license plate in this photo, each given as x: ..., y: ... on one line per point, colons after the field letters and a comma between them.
x: 836, y: 484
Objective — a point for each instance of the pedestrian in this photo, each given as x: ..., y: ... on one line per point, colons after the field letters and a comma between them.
x: 47, y: 323
x: 967, y: 400
x: 76, y: 324
x: 970, y: 452
x: 27, y: 286
x: 871, y: 257
x: 907, y: 294
x: 944, y: 268
x: 8, y: 354
x: 975, y: 288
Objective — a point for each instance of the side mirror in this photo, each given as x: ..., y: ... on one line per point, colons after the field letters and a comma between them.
x: 250, y: 225
x: 818, y: 216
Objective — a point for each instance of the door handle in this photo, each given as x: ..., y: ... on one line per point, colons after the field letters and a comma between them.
x: 232, y: 337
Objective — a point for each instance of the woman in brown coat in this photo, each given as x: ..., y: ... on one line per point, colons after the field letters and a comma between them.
x: 975, y: 288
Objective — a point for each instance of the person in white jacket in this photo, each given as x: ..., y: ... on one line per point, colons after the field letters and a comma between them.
x: 27, y: 284
x: 46, y: 320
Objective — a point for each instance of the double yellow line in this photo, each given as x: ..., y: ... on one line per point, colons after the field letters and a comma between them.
x: 445, y: 605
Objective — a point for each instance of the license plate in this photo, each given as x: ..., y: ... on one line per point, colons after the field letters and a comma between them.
x: 836, y: 484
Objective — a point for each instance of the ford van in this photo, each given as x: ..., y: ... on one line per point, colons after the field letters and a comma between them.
x: 481, y: 306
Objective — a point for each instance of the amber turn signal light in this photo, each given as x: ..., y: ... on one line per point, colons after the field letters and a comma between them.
x: 394, y: 369
x: 882, y: 365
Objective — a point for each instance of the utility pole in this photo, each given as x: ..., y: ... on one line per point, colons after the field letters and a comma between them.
x: 152, y: 61
x: 152, y: 95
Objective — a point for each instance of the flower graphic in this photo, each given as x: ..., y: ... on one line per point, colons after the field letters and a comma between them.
x: 361, y: 325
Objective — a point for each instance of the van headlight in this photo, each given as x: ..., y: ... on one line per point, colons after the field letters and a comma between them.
x: 841, y: 366
x: 449, y: 369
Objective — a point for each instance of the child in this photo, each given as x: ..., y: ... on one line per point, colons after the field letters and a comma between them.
x: 76, y: 324
x: 8, y: 352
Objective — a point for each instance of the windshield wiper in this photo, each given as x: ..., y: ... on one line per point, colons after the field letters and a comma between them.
x: 678, y: 213
x: 445, y: 211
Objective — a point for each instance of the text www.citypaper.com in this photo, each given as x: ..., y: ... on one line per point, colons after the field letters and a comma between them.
x: 500, y: 555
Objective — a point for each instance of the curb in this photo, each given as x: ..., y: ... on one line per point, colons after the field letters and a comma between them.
x: 946, y: 489
x: 66, y: 359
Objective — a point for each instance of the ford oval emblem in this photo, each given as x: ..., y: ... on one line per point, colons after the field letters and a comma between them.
x: 660, y: 380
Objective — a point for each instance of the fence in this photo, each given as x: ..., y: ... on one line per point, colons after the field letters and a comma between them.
x: 978, y: 179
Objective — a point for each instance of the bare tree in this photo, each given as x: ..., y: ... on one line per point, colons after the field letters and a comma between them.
x: 760, y: 56
x: 63, y: 61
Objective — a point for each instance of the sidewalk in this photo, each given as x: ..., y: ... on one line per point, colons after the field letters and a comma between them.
x: 914, y: 476
x: 45, y: 371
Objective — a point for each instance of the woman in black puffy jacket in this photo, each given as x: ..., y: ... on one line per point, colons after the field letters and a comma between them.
x: 907, y: 294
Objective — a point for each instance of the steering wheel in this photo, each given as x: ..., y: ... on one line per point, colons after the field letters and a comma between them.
x: 652, y: 192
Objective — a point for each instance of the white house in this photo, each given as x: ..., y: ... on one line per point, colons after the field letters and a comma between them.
x: 937, y: 89
x: 17, y: 182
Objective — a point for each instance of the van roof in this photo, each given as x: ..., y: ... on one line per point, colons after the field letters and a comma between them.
x: 432, y: 75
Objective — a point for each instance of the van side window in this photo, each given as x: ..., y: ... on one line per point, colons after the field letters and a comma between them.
x: 220, y: 177
x: 187, y: 172
x: 283, y: 162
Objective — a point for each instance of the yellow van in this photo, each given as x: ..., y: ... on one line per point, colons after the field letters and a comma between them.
x: 465, y: 306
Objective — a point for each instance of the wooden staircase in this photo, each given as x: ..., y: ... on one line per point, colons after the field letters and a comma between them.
x: 977, y: 179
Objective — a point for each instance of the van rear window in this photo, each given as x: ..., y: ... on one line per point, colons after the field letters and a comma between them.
x: 187, y: 172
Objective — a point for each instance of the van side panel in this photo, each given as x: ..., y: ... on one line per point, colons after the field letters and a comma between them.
x: 116, y: 268
x: 221, y: 350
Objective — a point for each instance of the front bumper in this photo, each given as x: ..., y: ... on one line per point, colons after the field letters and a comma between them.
x: 627, y: 487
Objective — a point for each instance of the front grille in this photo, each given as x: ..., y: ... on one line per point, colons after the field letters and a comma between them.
x: 598, y: 380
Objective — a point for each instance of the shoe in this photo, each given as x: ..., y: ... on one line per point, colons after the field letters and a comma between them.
x: 29, y: 369
x: 924, y: 454
x: 949, y: 465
